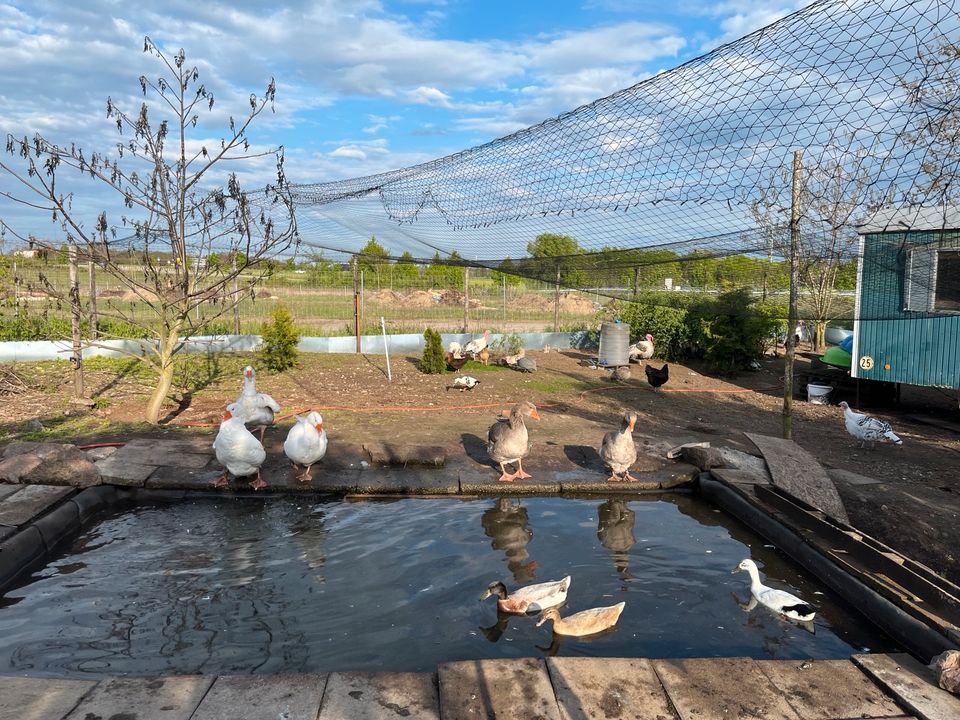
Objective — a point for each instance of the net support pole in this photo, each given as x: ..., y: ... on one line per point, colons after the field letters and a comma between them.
x: 76, y: 354
x: 556, y: 302
x: 356, y: 303
x: 236, y: 297
x: 386, y: 350
x: 94, y: 320
x: 466, y: 298
x: 791, y: 348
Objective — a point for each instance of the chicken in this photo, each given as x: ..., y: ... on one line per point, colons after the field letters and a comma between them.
x: 306, y: 443
x: 511, y: 360
x: 507, y: 441
x: 621, y: 373
x: 464, y: 382
x: 642, y: 350
x: 455, y: 349
x: 868, y: 429
x: 239, y: 451
x: 618, y: 450
x: 484, y: 355
x: 473, y: 347
x: 257, y: 409
x: 455, y: 362
x: 657, y: 377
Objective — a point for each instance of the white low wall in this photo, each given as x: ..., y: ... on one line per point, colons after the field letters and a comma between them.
x: 28, y: 351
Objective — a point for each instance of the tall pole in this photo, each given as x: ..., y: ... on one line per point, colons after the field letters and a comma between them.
x: 76, y: 356
x: 356, y: 302
x: 236, y: 297
x: 792, y: 312
x: 503, y: 279
x: 556, y: 302
x: 94, y: 319
x: 466, y: 298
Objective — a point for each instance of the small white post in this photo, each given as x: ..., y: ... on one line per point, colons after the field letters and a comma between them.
x: 386, y: 350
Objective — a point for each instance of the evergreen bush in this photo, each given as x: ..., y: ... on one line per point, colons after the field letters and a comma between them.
x: 433, y: 361
x: 280, y: 338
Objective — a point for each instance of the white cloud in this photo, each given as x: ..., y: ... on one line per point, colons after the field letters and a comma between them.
x: 429, y: 96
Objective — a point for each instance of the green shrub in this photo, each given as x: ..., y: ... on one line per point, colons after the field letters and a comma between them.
x: 507, y: 344
x: 280, y: 338
x: 433, y: 361
x: 735, y: 329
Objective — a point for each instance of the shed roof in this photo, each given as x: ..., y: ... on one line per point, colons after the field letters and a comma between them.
x: 899, y: 219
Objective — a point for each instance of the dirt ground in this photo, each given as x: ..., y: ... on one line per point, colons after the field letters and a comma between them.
x: 915, y: 509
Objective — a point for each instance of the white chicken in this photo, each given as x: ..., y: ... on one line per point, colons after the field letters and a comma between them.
x: 868, y: 429
x: 642, y: 349
x: 239, y: 451
x: 257, y: 409
x: 455, y: 349
x: 306, y: 443
x: 477, y: 344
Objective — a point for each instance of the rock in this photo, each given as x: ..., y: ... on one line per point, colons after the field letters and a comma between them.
x: 676, y: 451
x: 15, y: 467
x: 947, y: 667
x: 69, y: 466
x: 403, y: 455
x: 743, y: 461
x: 702, y: 457
x: 40, y: 449
x: 100, y: 453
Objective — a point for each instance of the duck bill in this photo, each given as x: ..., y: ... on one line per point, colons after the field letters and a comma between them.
x: 486, y: 594
x: 541, y: 620
x: 735, y: 571
x: 535, y: 415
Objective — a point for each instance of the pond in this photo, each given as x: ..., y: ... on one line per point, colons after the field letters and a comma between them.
x: 285, y: 585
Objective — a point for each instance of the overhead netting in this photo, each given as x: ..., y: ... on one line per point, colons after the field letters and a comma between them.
x: 694, y: 166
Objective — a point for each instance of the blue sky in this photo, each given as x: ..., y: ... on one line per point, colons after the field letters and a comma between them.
x: 364, y: 86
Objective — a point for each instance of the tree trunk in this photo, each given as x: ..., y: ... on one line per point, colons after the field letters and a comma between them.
x: 168, y: 342
x: 819, y: 335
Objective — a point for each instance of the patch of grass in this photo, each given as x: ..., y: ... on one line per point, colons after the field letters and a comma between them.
x: 556, y: 384
x: 475, y: 366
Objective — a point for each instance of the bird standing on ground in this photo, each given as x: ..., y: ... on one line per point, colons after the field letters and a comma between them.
x: 621, y: 373
x: 618, y: 450
x: 306, y: 443
x: 483, y: 355
x: 657, y: 377
x: 642, y: 349
x: 507, y: 440
x: 526, y: 364
x: 585, y: 622
x: 477, y: 344
x: 464, y: 382
x: 868, y: 429
x: 780, y: 601
x: 239, y: 451
x: 511, y: 360
x: 257, y: 409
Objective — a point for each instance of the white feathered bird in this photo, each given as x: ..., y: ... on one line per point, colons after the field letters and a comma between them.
x: 642, y: 349
x: 239, y: 451
x: 256, y: 408
x: 306, y: 442
x: 464, y: 382
x: 780, y: 601
x: 868, y: 429
x: 477, y: 344
x: 455, y: 349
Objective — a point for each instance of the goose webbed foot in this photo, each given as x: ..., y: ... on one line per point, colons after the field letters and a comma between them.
x: 306, y: 475
x: 258, y: 482
x: 520, y: 473
x: 221, y: 481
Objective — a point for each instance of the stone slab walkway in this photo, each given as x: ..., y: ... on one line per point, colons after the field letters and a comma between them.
x: 558, y: 688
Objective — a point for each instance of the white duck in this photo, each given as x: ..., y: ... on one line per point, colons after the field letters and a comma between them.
x: 306, y: 442
x: 642, y: 349
x: 531, y: 598
x: 780, y: 601
x: 868, y: 429
x: 257, y: 409
x: 464, y: 382
x: 477, y: 344
x: 618, y: 450
x: 239, y: 451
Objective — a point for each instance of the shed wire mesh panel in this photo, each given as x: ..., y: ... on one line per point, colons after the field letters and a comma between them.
x: 693, y: 163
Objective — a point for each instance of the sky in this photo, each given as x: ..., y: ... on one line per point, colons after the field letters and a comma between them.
x: 363, y: 86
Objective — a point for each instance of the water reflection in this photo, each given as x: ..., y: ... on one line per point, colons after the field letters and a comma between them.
x: 756, y: 621
x: 507, y: 523
x: 495, y: 632
x: 615, y: 531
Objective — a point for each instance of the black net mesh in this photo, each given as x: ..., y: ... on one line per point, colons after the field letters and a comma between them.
x: 688, y: 174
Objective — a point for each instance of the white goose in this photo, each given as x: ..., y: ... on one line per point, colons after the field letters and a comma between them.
x: 306, y: 442
x: 868, y: 429
x: 531, y: 598
x: 239, y: 451
x: 780, y: 601
x: 256, y: 408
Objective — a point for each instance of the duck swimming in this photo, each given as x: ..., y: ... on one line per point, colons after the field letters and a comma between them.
x: 532, y: 598
x: 780, y: 601
x: 585, y: 622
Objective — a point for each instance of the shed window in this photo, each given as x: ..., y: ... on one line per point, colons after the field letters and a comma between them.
x: 933, y: 277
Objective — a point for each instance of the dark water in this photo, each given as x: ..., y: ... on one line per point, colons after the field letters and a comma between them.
x: 256, y: 586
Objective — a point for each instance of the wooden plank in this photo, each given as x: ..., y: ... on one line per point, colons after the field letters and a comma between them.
x: 23, y: 698
x: 256, y: 697
x: 826, y: 689
x: 913, y: 685
x: 169, y: 698
x: 800, y: 474
x: 30, y: 502
x: 722, y: 689
x: 602, y: 688
x: 491, y: 689
x: 380, y: 696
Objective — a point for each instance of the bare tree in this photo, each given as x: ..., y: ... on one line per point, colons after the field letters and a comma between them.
x: 835, y: 190
x: 180, y: 205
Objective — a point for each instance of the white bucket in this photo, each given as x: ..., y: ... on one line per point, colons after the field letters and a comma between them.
x: 818, y: 394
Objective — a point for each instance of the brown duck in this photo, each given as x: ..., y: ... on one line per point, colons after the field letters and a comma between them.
x: 507, y: 441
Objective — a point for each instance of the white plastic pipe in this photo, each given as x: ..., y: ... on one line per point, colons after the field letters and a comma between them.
x: 386, y: 350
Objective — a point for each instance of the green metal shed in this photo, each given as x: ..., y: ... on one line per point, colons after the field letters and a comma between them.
x: 907, y: 316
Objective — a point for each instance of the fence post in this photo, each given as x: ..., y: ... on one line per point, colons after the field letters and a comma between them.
x: 466, y: 298
x: 792, y: 312
x: 556, y: 302
x: 236, y: 297
x: 76, y: 356
x: 94, y: 331
x: 356, y: 303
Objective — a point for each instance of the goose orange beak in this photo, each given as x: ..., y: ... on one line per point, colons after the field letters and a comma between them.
x: 319, y: 427
x: 535, y: 415
x: 227, y: 414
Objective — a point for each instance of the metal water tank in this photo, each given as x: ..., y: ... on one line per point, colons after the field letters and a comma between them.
x: 614, y: 344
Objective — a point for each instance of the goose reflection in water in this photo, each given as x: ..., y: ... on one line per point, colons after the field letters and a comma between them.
x: 615, y: 532
x: 507, y: 523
